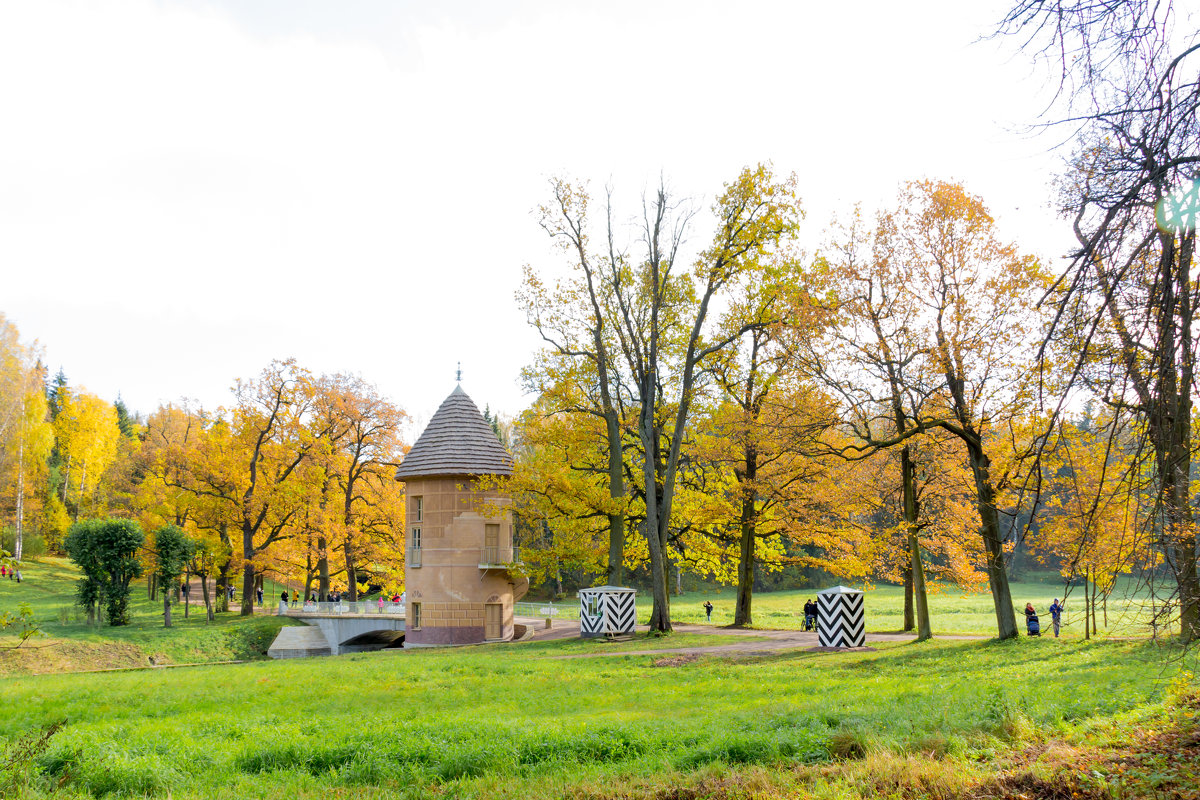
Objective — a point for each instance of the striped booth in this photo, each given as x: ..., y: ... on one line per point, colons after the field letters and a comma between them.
x: 840, y: 618
x: 607, y: 611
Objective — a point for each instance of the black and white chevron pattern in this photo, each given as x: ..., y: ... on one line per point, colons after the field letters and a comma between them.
x: 590, y: 625
x: 615, y: 614
x: 840, y: 620
x: 621, y: 612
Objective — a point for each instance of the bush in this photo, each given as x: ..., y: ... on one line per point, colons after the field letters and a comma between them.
x: 33, y: 546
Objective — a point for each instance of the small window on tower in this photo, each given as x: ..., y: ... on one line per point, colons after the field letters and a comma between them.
x: 419, y: 508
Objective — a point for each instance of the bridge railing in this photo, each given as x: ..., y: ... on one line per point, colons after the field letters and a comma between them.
x: 547, y: 610
x: 346, y: 608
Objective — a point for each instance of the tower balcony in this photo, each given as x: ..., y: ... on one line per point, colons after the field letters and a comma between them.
x: 499, y: 557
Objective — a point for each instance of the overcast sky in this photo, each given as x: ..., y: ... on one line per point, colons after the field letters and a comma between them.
x: 190, y: 189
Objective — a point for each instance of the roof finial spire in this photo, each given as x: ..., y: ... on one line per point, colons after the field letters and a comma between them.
x: 458, y: 373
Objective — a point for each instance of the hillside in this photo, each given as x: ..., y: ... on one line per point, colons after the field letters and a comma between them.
x: 71, y: 644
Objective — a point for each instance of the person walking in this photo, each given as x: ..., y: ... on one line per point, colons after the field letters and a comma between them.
x: 708, y: 606
x: 283, y: 603
x: 1032, y: 626
x: 1056, y: 610
x: 18, y: 576
x: 259, y: 595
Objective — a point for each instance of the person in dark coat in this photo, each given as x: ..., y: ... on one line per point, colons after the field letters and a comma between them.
x: 1056, y: 610
x: 708, y: 609
x: 810, y: 615
x: 1032, y: 626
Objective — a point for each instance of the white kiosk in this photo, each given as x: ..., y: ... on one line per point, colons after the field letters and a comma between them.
x: 607, y: 611
x: 840, y: 618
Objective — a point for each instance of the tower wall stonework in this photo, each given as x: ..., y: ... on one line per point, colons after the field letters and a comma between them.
x: 449, y: 583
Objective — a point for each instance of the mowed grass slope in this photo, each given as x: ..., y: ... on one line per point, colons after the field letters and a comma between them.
x: 72, y: 644
x: 506, y: 721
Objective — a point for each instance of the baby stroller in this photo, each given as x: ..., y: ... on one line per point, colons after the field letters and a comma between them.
x: 1032, y: 626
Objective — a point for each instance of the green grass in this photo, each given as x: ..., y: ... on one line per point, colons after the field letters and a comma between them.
x: 513, y: 720
x: 492, y: 722
x: 49, y: 588
x: 640, y: 641
x: 951, y: 610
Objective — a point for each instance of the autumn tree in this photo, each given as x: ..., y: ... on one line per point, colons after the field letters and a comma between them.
x: 362, y: 448
x: 561, y: 492
x: 86, y: 436
x: 1130, y: 93
x: 871, y: 357
x: 664, y: 330
x: 766, y: 420
x: 980, y: 341
x: 575, y: 318
x: 25, y: 435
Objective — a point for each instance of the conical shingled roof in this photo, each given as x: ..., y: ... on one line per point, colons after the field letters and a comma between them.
x: 457, y: 441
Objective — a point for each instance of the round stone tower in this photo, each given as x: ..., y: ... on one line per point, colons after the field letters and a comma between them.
x: 459, y: 574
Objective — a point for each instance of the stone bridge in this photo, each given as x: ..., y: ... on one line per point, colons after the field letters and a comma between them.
x: 332, y: 629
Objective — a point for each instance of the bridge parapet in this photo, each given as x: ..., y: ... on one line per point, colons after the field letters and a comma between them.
x: 345, y: 609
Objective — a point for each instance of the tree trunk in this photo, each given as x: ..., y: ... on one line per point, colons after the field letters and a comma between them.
x: 18, y: 534
x: 916, y: 569
x: 248, y: 570
x: 743, y: 614
x: 654, y: 527
x: 248, y: 576
x: 322, y: 569
x: 208, y: 606
x: 351, y: 570
x: 223, y: 569
x: 187, y: 596
x: 166, y: 609
x: 1087, y: 625
x: 989, y: 518
x: 616, y: 493
x: 910, y: 623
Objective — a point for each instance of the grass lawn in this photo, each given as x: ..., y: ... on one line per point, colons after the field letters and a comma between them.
x: 493, y: 722
x: 72, y: 644
x: 951, y: 610
x: 950, y: 719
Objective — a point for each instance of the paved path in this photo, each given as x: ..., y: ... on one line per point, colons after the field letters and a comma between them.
x: 752, y: 641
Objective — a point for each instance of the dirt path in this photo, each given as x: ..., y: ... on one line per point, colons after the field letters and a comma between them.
x: 763, y: 641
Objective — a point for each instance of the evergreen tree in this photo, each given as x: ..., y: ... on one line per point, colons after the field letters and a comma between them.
x: 125, y: 422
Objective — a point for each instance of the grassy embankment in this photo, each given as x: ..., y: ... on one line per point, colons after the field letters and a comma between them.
x: 72, y: 644
x: 952, y: 719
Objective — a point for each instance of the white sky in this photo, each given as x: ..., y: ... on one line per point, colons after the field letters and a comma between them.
x: 190, y: 189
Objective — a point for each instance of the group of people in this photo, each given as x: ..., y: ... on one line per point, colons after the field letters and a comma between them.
x: 12, y: 573
x: 1034, y: 628
x: 810, y: 614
